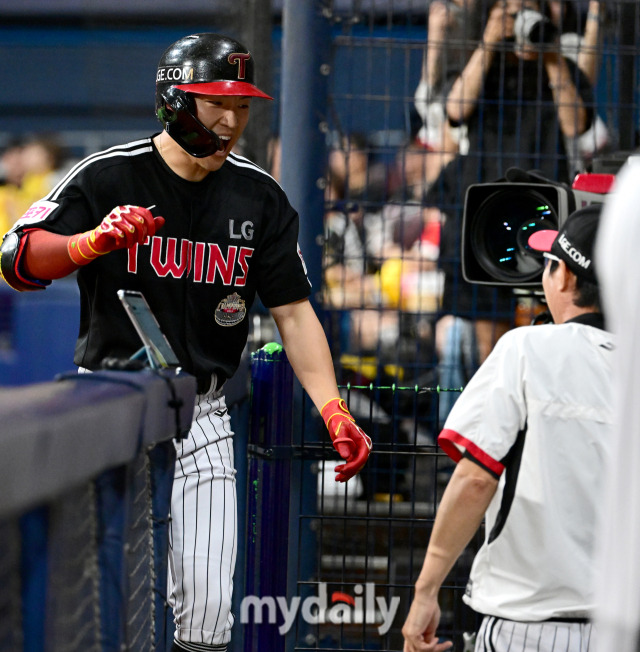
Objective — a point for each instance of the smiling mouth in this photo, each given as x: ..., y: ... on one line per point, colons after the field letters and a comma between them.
x: 225, y: 141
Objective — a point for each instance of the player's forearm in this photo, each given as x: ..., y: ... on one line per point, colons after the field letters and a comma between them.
x: 307, y: 350
x: 46, y: 256
x: 459, y: 516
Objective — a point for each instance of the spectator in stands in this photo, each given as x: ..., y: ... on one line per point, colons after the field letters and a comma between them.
x: 43, y: 159
x: 585, y: 51
x: 12, y: 173
x: 519, y: 102
x: 451, y: 29
x: 31, y: 167
x: 377, y: 256
x: 373, y: 246
x: 353, y: 174
x: 418, y: 166
x: 357, y: 238
x: 531, y: 435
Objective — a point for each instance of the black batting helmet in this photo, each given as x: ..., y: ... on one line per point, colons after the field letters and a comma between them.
x: 207, y: 64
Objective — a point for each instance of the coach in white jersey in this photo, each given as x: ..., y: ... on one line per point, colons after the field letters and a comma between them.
x: 199, y: 231
x: 531, y: 435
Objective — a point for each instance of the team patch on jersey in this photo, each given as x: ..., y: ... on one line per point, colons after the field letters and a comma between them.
x: 37, y: 212
x: 231, y: 311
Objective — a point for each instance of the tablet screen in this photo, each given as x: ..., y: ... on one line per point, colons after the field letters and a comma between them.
x: 148, y: 328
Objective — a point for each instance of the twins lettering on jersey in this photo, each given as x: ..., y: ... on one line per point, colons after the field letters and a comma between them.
x: 206, y: 261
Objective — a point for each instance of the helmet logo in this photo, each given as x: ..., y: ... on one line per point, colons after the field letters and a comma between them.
x: 170, y: 73
x: 241, y: 59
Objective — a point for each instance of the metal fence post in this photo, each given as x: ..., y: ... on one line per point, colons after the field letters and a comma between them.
x: 303, y: 119
x: 268, y: 493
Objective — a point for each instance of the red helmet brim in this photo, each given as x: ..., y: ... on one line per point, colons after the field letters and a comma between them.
x: 238, y: 88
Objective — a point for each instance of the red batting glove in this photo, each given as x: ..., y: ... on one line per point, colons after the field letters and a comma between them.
x: 348, y: 439
x: 121, y: 229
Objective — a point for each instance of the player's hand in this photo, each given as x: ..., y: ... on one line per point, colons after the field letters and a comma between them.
x: 419, y: 630
x: 348, y: 439
x: 123, y: 227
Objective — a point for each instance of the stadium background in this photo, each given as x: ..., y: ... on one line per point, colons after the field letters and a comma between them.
x: 85, y: 71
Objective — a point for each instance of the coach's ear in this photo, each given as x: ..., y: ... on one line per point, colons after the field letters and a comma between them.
x: 566, y: 280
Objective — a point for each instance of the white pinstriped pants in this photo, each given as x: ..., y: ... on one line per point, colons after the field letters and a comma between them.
x: 203, y: 532
x: 498, y: 635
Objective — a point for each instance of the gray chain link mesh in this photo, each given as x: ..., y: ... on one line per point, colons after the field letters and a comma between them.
x: 73, y: 606
x: 139, y: 559
x: 10, y: 615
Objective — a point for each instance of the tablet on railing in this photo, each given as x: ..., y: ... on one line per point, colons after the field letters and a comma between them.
x: 156, y: 345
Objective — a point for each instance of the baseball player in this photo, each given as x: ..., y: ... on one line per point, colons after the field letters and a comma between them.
x: 199, y: 231
x: 618, y: 568
x: 531, y: 434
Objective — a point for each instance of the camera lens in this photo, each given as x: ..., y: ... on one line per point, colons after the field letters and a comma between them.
x: 532, y: 28
x: 501, y: 230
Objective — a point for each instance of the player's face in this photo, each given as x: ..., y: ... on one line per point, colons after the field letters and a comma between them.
x: 227, y: 116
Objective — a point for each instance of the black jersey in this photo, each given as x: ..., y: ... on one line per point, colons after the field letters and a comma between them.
x: 226, y: 238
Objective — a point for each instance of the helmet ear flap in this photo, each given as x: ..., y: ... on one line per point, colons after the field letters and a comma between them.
x: 176, y: 110
x: 173, y: 100
x: 166, y: 115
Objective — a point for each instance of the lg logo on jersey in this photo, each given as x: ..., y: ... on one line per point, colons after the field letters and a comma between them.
x: 246, y: 230
x: 205, y: 260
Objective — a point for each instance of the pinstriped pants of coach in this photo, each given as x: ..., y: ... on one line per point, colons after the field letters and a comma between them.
x: 203, y: 532
x: 498, y: 635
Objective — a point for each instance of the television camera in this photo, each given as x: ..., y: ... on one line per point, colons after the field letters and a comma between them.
x: 500, y: 217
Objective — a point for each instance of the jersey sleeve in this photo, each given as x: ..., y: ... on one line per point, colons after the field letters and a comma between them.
x: 63, y: 213
x: 67, y: 216
x: 282, y: 273
x: 485, y: 420
x: 64, y: 210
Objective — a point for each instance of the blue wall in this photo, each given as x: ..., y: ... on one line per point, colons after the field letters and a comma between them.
x: 38, y: 331
x: 75, y: 78
x: 78, y: 78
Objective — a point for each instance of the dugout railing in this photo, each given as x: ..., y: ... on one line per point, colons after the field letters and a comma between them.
x: 86, y: 469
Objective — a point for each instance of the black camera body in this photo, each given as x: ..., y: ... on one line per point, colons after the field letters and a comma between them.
x: 533, y: 29
x: 500, y: 217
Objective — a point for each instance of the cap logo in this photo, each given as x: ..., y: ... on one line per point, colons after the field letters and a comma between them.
x: 171, y: 73
x: 573, y: 253
x: 241, y: 59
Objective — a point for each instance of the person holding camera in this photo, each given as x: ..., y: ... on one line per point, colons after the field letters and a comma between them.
x: 519, y: 100
x: 531, y: 434
x: 530, y: 37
